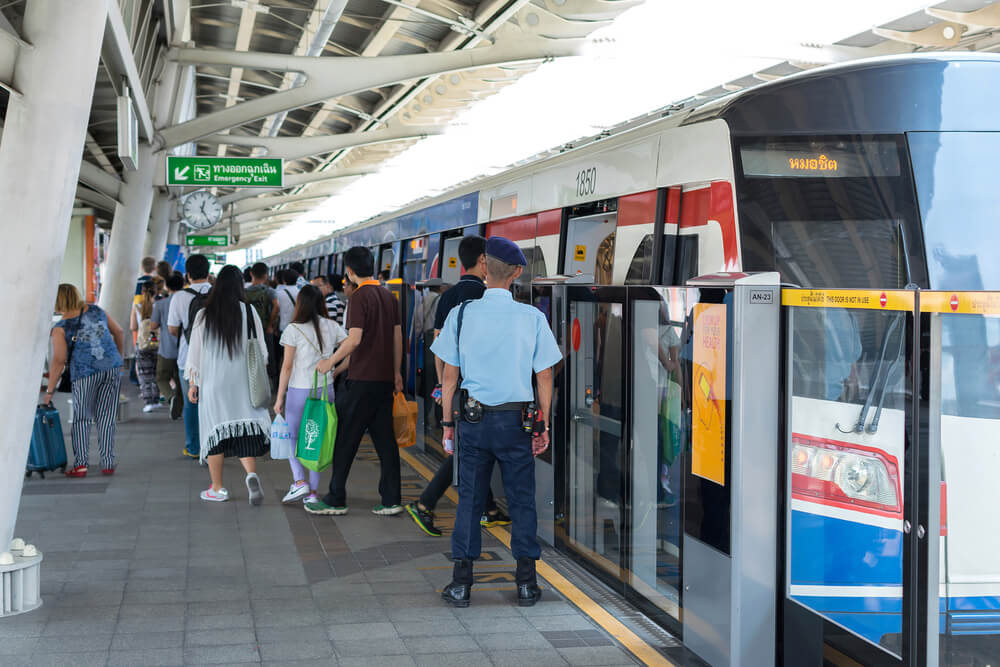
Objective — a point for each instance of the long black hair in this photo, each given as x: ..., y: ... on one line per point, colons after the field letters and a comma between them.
x: 223, y: 319
x: 310, y: 306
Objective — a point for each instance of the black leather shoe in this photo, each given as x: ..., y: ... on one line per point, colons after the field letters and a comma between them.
x: 528, y: 595
x: 457, y: 595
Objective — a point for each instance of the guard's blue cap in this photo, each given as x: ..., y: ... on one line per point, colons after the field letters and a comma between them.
x: 505, y: 250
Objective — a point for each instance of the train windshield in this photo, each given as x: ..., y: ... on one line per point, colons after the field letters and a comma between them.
x: 827, y: 212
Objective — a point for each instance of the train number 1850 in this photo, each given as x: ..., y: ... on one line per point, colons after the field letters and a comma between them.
x: 586, y: 182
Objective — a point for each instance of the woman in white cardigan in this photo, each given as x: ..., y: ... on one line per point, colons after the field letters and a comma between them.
x: 220, y: 384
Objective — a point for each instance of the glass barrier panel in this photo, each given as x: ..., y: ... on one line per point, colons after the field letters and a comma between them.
x: 965, y: 398
x: 846, y: 435
x: 660, y: 444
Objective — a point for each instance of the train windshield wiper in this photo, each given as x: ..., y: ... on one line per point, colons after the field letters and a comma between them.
x: 885, y: 369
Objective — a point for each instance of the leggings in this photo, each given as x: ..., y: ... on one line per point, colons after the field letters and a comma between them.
x: 145, y: 368
x: 295, y: 404
x: 95, y: 399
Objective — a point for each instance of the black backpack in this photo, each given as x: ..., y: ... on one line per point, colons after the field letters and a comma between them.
x: 197, y: 303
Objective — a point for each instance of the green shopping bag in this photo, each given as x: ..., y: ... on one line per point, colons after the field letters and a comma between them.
x: 318, y: 429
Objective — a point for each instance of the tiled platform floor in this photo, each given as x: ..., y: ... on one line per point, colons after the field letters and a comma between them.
x: 139, y: 571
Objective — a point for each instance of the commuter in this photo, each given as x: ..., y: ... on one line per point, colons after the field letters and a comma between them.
x: 91, y: 342
x: 264, y: 299
x: 179, y: 323
x: 164, y: 270
x: 167, y: 375
x: 310, y: 337
x: 299, y: 269
x: 146, y: 344
x: 349, y: 289
x: 148, y: 265
x: 501, y: 343
x: 287, y: 292
x: 383, y: 276
x: 334, y: 306
x: 472, y: 254
x: 375, y: 345
x: 247, y: 277
x: 337, y: 283
x: 219, y: 383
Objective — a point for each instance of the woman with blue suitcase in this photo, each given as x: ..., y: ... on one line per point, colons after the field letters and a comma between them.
x: 92, y: 342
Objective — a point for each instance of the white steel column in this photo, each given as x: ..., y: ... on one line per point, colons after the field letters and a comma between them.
x: 128, y: 231
x: 159, y: 225
x: 174, y: 233
x: 43, y: 138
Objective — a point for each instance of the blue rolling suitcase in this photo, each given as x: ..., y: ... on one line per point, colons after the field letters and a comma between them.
x: 48, y: 449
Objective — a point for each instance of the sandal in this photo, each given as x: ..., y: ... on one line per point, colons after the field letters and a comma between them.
x: 79, y: 471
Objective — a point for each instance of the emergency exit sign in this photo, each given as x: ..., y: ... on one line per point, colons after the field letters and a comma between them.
x: 230, y: 172
x: 208, y: 240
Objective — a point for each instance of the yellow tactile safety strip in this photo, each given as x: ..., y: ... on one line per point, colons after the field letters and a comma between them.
x: 631, y: 641
x: 848, y: 298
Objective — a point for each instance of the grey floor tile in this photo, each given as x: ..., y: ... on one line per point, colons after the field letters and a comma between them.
x: 82, y: 659
x: 537, y: 657
x: 549, y: 608
x: 378, y: 661
x: 225, y: 607
x: 471, y: 659
x: 297, y: 634
x: 442, y: 613
x: 511, y: 624
x: 168, y: 624
x: 64, y: 628
x: 503, y: 641
x: 440, y: 645
x: 11, y: 646
x: 596, y: 655
x: 351, y: 631
x: 146, y: 640
x: 329, y: 661
x: 196, y: 623
x: 165, y: 610
x: 84, y: 613
x: 364, y: 647
x: 309, y: 650
x: 285, y: 620
x: 153, y: 597
x: 342, y: 615
x: 448, y: 626
x: 565, y: 622
x: 69, y: 644
x: 146, y: 657
x: 207, y: 655
x: 219, y: 637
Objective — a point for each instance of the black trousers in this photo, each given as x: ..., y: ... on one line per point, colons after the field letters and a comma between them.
x: 437, y: 487
x: 365, y: 406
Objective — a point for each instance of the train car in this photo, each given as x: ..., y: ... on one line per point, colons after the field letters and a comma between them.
x: 871, y: 175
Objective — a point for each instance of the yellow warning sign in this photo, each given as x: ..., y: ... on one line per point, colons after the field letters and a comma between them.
x: 848, y: 298
x: 961, y: 303
x: 580, y: 253
x: 708, y: 428
x: 452, y: 262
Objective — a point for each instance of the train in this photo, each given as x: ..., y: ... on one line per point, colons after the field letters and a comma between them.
x: 873, y: 175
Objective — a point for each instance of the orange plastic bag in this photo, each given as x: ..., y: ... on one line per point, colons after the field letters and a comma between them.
x: 404, y: 420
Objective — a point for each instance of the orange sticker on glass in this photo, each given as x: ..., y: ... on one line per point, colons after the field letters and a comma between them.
x: 452, y: 262
x: 580, y: 253
x: 708, y: 428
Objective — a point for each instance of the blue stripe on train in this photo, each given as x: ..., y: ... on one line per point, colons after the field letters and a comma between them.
x: 835, y: 552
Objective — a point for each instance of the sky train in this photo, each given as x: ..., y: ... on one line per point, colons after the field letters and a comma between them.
x: 872, y: 175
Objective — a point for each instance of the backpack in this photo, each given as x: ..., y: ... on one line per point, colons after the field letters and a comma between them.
x: 258, y: 298
x: 197, y: 303
x: 145, y: 338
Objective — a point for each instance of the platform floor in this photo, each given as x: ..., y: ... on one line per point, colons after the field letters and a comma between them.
x: 139, y: 571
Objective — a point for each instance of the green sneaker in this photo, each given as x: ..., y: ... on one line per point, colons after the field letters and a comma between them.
x: 423, y: 518
x: 390, y: 510
x: 321, y: 508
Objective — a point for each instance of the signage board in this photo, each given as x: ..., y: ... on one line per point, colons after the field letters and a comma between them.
x: 239, y: 172
x: 708, y: 432
x: 208, y: 240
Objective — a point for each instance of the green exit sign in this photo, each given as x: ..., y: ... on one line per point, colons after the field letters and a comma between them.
x: 229, y: 172
x: 208, y: 240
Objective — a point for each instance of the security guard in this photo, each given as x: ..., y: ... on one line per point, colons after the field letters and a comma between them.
x: 497, y: 343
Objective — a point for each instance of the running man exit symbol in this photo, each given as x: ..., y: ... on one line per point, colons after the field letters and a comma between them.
x: 202, y: 173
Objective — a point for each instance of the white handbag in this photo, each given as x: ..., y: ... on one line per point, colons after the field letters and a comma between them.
x: 260, y: 385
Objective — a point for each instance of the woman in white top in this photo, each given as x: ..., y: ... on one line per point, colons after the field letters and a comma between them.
x: 309, y: 337
x: 219, y: 380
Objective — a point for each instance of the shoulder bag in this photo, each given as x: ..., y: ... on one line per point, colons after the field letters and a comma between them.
x: 66, y: 380
x: 260, y: 386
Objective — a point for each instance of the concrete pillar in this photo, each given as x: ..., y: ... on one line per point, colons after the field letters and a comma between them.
x: 43, y: 139
x: 174, y: 233
x: 159, y: 225
x: 128, y: 232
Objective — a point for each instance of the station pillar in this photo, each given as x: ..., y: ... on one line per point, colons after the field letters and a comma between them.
x: 159, y: 225
x: 43, y: 139
x: 128, y: 232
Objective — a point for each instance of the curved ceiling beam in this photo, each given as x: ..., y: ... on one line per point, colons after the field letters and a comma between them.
x: 295, y: 180
x: 986, y: 17
x: 248, y: 205
x: 294, y: 148
x: 335, y: 77
x: 94, y: 177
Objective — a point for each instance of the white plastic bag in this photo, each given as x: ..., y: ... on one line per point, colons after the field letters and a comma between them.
x: 282, y: 442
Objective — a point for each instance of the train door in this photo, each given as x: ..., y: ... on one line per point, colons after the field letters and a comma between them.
x: 590, y: 246
x: 386, y: 259
x: 594, y: 458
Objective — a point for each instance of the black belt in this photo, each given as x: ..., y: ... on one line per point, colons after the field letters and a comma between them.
x: 504, y: 407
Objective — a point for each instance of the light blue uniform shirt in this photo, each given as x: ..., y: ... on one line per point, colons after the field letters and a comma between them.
x: 503, y: 341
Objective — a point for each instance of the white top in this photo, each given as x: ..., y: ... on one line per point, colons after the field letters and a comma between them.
x: 287, y: 294
x: 307, y: 353
x: 178, y: 316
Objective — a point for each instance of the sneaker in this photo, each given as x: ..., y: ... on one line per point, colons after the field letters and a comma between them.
x: 311, y: 499
x: 253, y: 486
x: 423, y: 518
x: 497, y: 518
x: 387, y: 510
x: 188, y: 454
x: 220, y: 496
x: 176, y: 405
x: 296, y: 491
x: 149, y: 408
x: 319, y: 507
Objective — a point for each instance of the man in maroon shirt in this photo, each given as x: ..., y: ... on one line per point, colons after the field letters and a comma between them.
x: 375, y: 345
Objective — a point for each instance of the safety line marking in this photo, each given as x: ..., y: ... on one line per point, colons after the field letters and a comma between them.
x: 631, y: 641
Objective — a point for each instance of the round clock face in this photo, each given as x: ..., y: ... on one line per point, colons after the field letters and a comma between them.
x: 201, y: 210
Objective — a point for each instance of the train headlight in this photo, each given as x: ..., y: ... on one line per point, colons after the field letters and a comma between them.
x: 844, y: 474
x: 854, y: 474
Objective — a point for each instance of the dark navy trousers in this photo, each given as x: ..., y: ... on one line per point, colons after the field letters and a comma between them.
x: 498, y: 438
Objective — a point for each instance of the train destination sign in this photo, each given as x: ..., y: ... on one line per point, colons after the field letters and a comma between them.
x: 208, y: 240
x: 240, y: 172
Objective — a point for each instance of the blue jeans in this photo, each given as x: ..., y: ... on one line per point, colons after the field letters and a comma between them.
x: 497, y: 438
x: 192, y: 442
